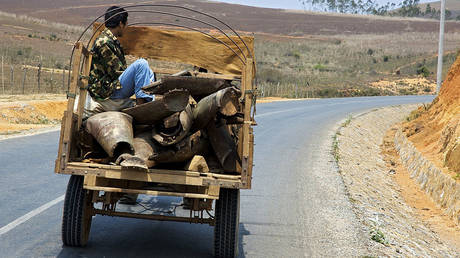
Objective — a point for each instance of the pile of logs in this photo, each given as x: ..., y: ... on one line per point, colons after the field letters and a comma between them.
x: 190, y: 118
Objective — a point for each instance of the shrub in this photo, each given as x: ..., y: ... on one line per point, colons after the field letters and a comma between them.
x: 404, y: 92
x: 53, y: 37
x: 370, y: 51
x: 270, y: 75
x: 386, y: 58
x: 423, y: 71
x: 320, y: 67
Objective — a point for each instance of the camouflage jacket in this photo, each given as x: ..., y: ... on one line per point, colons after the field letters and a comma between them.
x: 107, y: 65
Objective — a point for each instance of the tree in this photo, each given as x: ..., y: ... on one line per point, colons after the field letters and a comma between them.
x: 406, y: 7
x: 428, y: 9
x: 409, y: 8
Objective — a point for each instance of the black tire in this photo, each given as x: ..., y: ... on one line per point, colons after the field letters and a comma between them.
x: 76, y: 217
x: 227, y: 223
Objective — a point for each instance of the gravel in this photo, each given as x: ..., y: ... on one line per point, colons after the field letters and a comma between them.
x: 392, y: 226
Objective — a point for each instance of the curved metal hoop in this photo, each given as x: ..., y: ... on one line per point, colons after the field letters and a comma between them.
x: 183, y: 26
x: 170, y: 24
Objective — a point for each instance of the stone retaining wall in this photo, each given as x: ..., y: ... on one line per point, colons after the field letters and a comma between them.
x: 394, y: 228
x: 441, y: 187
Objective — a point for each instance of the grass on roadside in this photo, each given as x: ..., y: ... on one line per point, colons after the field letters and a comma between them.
x: 335, y: 147
x: 348, y: 121
x: 378, y: 236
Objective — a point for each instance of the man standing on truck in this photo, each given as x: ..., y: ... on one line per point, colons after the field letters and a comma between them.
x: 111, y: 81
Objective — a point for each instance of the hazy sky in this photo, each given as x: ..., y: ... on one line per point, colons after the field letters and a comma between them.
x: 290, y: 4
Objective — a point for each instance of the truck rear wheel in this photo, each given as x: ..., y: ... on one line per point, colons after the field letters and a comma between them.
x: 77, y: 216
x: 227, y: 223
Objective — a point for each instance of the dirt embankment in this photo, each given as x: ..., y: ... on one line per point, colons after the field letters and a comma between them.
x: 435, y: 131
x: 406, y: 86
x: 27, y: 113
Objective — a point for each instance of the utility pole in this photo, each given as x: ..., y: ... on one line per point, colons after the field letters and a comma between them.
x: 3, y: 80
x: 441, y: 46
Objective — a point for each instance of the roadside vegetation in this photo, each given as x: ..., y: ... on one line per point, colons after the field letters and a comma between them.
x: 405, y: 8
x: 345, y: 66
x: 292, y: 67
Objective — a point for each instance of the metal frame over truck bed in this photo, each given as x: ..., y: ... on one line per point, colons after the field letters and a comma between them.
x: 95, y: 188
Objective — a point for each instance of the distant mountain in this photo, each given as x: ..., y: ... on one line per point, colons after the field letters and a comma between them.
x: 240, y: 17
x: 451, y: 5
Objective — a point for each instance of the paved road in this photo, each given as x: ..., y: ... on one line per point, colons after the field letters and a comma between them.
x: 297, y: 207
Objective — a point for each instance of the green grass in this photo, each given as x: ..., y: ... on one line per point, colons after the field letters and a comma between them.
x: 378, y: 236
x: 335, y: 147
x: 348, y: 121
x: 457, y: 176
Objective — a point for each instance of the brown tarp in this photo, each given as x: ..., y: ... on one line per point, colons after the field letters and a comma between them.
x: 189, y: 47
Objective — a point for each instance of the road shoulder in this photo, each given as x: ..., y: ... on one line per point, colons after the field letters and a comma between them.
x: 393, y: 226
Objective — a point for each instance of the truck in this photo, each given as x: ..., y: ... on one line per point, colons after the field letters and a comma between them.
x: 212, y: 196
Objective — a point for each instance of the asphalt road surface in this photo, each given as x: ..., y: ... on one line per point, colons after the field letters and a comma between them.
x: 297, y: 207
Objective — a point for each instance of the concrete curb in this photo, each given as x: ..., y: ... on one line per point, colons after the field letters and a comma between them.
x: 443, y: 189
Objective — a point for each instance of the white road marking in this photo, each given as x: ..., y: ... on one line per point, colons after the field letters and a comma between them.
x: 30, y: 215
x: 277, y: 112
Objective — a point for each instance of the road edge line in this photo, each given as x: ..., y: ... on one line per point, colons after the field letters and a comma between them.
x: 29, y: 215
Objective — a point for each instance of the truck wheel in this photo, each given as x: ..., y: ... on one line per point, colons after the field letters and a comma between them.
x: 77, y: 215
x: 227, y: 223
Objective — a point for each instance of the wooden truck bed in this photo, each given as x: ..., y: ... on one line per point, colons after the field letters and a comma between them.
x: 65, y: 163
x: 96, y: 188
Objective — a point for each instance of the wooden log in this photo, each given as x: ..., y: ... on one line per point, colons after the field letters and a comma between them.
x: 163, y: 106
x: 182, y: 151
x: 195, y: 85
x: 197, y: 163
x: 144, y: 147
x: 235, y: 119
x: 224, y: 101
x: 224, y: 147
x: 171, y: 121
x: 174, y: 134
x: 213, y: 162
x: 113, y: 131
x: 159, y: 82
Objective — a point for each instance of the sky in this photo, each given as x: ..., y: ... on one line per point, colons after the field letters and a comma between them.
x: 291, y: 4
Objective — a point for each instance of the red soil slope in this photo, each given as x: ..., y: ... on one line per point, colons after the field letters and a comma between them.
x: 436, y: 131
